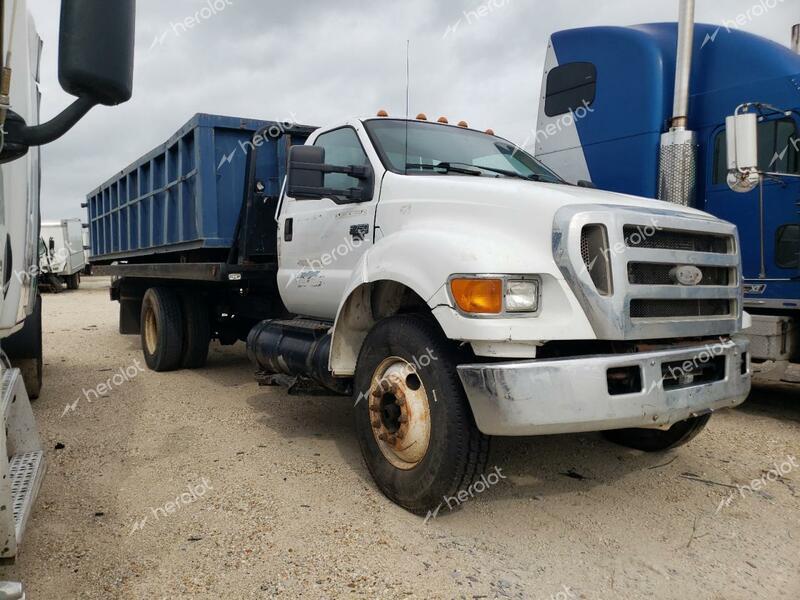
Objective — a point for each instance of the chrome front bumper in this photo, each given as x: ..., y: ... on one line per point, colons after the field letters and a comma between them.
x: 543, y: 397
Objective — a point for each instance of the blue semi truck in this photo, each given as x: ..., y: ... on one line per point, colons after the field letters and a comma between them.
x: 642, y: 110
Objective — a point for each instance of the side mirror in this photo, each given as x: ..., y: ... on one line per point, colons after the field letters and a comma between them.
x: 306, y: 177
x: 96, y: 50
x: 742, y: 139
x: 305, y: 171
x: 52, y: 245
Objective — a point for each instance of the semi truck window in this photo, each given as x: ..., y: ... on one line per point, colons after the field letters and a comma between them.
x: 342, y: 149
x: 570, y: 87
x: 787, y: 247
x: 778, y: 149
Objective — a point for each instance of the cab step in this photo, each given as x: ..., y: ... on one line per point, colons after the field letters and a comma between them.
x: 22, y: 466
x: 27, y: 472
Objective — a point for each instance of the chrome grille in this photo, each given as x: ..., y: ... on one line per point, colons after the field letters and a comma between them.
x: 645, y: 249
x: 688, y: 241
x: 661, y: 274
x: 668, y: 309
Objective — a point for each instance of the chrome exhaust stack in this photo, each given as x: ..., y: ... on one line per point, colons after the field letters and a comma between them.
x: 677, y: 182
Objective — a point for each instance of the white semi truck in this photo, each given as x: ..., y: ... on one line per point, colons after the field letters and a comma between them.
x: 96, y: 65
x: 455, y: 287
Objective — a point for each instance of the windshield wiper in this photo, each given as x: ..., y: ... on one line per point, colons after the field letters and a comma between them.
x: 447, y: 167
x: 505, y: 172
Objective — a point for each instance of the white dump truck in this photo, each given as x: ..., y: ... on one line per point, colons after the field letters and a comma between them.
x: 96, y: 65
x: 64, y: 258
x: 450, y: 283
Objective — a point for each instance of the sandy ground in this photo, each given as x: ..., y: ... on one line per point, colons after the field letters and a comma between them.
x: 283, y: 506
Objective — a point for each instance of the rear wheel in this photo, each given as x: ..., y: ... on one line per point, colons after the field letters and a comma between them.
x: 162, y: 329
x: 658, y: 440
x: 413, y: 421
x: 196, y: 332
x: 73, y: 281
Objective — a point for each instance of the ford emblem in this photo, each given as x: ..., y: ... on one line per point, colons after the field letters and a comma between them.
x: 687, y: 275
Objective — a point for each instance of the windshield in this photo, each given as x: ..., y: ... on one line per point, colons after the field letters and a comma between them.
x: 435, y: 149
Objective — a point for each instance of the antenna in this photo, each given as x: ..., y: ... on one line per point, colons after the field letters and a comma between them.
x: 408, y: 98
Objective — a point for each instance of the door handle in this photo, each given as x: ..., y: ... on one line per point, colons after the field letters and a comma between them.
x: 288, y: 230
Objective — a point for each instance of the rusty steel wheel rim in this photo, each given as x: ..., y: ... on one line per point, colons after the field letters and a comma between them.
x: 150, y: 331
x: 400, y: 413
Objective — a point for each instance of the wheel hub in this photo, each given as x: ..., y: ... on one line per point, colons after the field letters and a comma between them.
x: 400, y: 413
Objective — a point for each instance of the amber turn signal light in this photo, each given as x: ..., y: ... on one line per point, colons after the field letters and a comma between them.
x: 478, y: 296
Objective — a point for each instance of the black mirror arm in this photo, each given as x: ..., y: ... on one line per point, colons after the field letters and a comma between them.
x: 17, y: 132
x: 355, y: 171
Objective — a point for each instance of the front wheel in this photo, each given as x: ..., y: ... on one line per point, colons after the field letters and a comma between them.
x: 658, y: 440
x: 414, y: 425
x: 74, y: 281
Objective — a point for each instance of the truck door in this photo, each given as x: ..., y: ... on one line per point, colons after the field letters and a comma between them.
x: 322, y: 241
x: 771, y: 271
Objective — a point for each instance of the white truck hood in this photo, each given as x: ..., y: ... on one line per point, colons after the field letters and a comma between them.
x: 516, y: 194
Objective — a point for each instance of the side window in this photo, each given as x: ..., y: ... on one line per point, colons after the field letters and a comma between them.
x: 778, y: 149
x: 342, y: 149
x: 787, y: 247
x: 569, y: 87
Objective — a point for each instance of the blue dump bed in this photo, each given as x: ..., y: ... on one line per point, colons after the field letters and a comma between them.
x: 186, y: 195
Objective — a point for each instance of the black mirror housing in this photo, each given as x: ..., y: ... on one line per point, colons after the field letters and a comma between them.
x: 303, y: 179
x: 96, y: 49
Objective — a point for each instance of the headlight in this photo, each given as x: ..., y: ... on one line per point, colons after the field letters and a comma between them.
x: 522, y: 295
x: 493, y: 295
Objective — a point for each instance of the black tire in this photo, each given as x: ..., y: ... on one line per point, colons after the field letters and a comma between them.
x: 73, y: 281
x: 196, y: 332
x: 657, y: 440
x: 24, y: 349
x: 457, y: 451
x: 162, y: 330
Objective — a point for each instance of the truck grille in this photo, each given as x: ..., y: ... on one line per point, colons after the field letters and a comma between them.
x: 686, y: 309
x: 634, y: 271
x: 688, y: 241
x: 661, y: 274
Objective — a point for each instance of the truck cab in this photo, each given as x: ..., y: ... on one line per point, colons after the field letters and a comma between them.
x: 605, y: 103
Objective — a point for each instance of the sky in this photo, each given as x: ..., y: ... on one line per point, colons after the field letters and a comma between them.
x: 316, y: 62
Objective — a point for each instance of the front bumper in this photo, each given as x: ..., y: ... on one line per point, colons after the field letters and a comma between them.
x: 543, y: 397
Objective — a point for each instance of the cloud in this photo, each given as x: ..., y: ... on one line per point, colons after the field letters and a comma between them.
x: 323, y: 62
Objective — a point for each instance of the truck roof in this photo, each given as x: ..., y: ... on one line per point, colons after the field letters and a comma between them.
x: 727, y: 62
